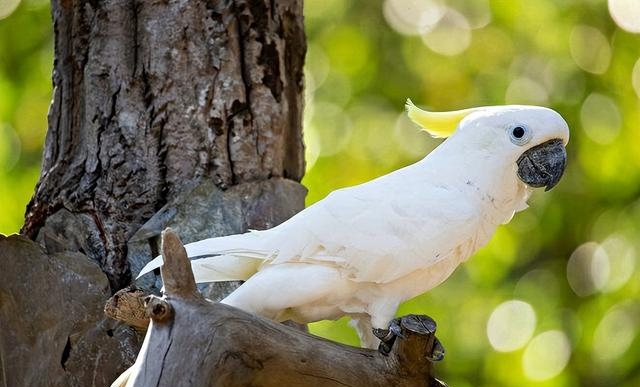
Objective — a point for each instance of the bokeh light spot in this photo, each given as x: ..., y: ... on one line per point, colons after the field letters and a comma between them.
x: 412, y: 17
x: 336, y: 127
x: 317, y: 67
x: 600, y: 118
x: 7, y: 7
x: 546, y: 355
x: 614, y: 334
x: 590, y: 49
x: 477, y: 12
x: 635, y: 77
x: 526, y: 91
x: 311, y: 146
x: 511, y: 325
x: 450, y: 36
x: 348, y: 49
x: 369, y: 144
x: 336, y: 88
x: 588, y: 269
x: 318, y: 11
x: 626, y: 14
x: 10, y: 147
x: 538, y: 284
x: 622, y: 261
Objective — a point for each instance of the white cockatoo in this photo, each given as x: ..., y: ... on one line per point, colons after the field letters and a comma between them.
x: 363, y: 250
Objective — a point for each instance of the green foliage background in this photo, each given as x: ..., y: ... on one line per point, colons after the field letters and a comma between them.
x: 570, y: 261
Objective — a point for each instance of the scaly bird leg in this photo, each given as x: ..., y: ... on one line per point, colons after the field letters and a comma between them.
x: 388, y: 337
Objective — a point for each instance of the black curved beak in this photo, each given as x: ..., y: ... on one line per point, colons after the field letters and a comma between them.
x: 543, y: 165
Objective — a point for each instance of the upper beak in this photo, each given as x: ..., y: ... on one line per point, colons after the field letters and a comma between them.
x: 543, y: 165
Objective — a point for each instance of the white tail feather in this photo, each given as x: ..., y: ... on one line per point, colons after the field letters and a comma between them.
x: 224, y: 268
x: 223, y: 255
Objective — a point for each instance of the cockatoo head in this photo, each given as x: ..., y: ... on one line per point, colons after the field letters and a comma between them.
x: 533, y: 138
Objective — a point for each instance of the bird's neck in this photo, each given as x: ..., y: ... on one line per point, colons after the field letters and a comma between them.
x: 484, y: 179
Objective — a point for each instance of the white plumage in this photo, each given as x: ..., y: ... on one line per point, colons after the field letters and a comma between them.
x: 363, y: 250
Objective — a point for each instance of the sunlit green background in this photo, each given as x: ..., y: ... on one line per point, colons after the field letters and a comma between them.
x: 553, y: 300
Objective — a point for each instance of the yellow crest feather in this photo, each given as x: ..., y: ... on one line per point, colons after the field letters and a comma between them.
x: 437, y: 124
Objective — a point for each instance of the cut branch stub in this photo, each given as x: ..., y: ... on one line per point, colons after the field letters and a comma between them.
x: 176, y: 271
x: 128, y: 306
x: 419, y: 343
x: 158, y: 309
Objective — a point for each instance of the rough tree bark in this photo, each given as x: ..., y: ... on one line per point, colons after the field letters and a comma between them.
x: 180, y: 113
x: 154, y: 98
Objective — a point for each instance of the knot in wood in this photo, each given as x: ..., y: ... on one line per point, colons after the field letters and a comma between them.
x: 157, y: 309
x: 128, y: 305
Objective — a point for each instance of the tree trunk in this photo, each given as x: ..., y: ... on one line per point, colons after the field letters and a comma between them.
x: 151, y: 100
x: 180, y: 113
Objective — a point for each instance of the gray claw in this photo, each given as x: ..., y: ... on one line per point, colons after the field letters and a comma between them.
x: 388, y: 336
x: 433, y: 382
x: 437, y: 352
x: 394, y: 328
x: 383, y: 334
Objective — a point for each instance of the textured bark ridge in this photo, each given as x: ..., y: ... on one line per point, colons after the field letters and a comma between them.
x: 153, y: 99
x: 201, y: 344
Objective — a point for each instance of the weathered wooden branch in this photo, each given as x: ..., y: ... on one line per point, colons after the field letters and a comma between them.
x: 194, y: 342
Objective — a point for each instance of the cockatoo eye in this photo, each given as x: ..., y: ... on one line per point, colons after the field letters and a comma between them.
x: 519, y: 134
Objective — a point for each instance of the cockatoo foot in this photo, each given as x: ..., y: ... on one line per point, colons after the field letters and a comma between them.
x: 437, y: 353
x: 388, y: 336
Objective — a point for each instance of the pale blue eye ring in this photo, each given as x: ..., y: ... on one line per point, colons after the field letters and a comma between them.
x: 519, y: 134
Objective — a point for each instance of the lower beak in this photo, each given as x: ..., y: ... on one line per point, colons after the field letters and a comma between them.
x: 543, y: 165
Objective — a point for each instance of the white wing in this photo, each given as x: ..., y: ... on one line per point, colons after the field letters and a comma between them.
x: 382, y: 230
x: 376, y: 232
x: 240, y: 250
